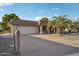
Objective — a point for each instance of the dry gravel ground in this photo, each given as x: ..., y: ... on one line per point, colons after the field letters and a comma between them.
x: 6, y: 45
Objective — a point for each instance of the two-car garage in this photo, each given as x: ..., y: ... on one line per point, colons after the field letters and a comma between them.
x: 24, y: 26
x: 28, y: 29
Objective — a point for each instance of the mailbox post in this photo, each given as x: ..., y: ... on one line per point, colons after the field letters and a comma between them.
x: 17, y: 42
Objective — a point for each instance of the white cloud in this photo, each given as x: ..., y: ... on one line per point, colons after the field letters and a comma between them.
x: 38, y: 18
x: 56, y: 9
x: 41, y: 11
x: 55, y: 14
x: 6, y: 4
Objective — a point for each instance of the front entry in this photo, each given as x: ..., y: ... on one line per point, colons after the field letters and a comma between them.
x: 43, y: 30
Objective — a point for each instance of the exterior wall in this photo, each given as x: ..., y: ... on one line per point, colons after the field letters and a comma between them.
x: 28, y: 29
x: 13, y: 28
x: 41, y: 31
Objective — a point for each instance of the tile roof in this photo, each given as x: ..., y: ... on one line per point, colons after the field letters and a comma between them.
x: 28, y: 23
x: 24, y: 23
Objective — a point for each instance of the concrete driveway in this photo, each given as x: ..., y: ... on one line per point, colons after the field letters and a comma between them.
x: 32, y: 46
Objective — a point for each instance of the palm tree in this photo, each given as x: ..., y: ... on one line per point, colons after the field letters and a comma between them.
x: 71, y: 25
x: 59, y: 22
x: 68, y: 24
x: 50, y: 25
x: 75, y: 25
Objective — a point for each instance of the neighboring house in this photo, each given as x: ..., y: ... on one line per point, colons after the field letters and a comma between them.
x: 28, y: 27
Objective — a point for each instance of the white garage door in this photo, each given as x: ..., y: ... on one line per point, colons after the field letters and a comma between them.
x: 28, y: 29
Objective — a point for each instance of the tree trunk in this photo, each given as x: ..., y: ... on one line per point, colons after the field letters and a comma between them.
x: 58, y: 30
x: 69, y: 31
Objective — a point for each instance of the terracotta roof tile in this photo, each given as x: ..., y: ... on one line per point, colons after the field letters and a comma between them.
x: 24, y: 23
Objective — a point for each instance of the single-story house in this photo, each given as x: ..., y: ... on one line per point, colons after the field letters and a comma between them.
x: 28, y: 27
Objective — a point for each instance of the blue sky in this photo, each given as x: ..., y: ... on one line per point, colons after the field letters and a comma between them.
x: 35, y: 11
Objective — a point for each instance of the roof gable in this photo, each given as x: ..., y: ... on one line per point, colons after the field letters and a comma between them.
x: 19, y: 22
x: 23, y: 23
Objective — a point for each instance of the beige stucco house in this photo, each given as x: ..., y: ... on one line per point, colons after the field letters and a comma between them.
x: 28, y: 27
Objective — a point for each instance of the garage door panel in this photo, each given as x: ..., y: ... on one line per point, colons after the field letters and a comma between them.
x: 28, y: 30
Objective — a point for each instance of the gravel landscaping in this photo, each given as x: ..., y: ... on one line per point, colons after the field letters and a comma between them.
x: 6, y: 45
